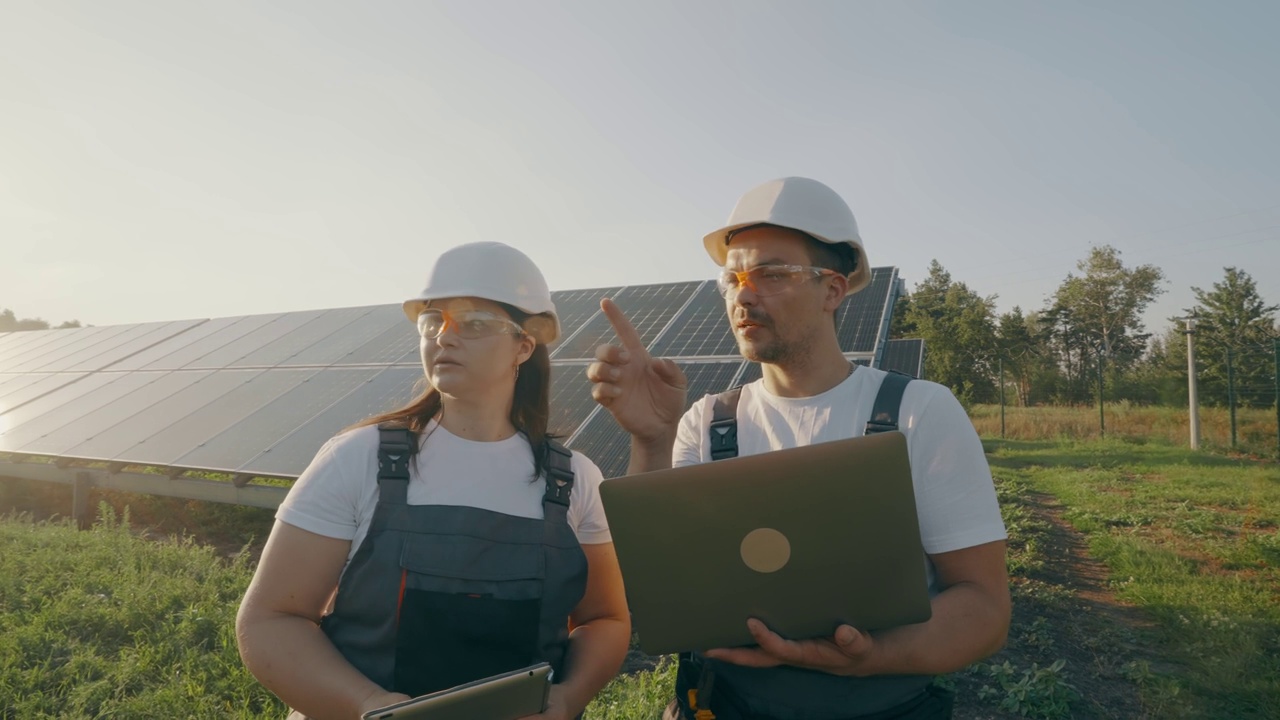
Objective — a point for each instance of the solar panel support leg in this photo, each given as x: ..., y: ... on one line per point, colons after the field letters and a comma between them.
x: 80, y: 488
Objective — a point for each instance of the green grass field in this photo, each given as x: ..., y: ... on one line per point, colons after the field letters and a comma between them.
x: 1182, y: 620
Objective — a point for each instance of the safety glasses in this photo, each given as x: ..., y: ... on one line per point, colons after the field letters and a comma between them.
x: 766, y: 280
x: 467, y: 324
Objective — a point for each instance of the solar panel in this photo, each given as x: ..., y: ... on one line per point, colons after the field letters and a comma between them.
x: 155, y: 387
x: 702, y: 328
x: 45, y: 384
x: 260, y: 394
x: 649, y: 307
x: 571, y: 399
x: 390, y: 346
x: 232, y: 448
x: 51, y: 354
x: 605, y: 443
x: 343, y: 344
x: 257, y: 339
x: 387, y: 390
x: 28, y: 341
x: 904, y: 356
x: 862, y: 319
x: 310, y: 336
x: 64, y: 405
x: 576, y: 307
x: 186, y: 352
x: 126, y: 438
x: 249, y: 391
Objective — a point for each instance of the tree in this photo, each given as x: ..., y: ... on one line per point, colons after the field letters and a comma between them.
x: 959, y: 332
x: 9, y: 322
x: 1099, y: 314
x: 1028, y: 359
x: 1232, y: 317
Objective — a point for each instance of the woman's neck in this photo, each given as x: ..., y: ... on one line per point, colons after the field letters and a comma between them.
x: 477, y: 422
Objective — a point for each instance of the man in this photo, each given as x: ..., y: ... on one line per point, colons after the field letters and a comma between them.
x: 791, y: 253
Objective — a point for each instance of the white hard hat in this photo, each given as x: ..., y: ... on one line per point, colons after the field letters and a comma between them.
x: 493, y: 271
x: 799, y: 204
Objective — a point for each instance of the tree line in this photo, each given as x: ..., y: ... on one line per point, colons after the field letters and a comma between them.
x: 1089, y: 338
x: 9, y: 322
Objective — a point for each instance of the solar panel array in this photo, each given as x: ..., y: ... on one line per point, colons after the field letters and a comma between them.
x: 258, y: 395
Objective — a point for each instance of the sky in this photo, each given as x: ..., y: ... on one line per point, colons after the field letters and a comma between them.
x: 163, y: 161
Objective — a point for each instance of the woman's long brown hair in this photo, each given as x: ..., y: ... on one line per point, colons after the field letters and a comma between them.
x: 530, y: 403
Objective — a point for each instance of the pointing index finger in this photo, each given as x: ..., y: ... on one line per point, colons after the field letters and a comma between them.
x: 622, y: 327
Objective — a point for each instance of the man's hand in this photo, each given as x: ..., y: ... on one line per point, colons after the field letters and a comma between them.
x: 847, y: 652
x: 646, y: 395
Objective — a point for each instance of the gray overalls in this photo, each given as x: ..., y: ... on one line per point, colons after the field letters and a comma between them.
x: 437, y: 595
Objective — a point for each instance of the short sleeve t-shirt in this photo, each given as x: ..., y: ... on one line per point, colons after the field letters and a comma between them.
x: 336, y: 495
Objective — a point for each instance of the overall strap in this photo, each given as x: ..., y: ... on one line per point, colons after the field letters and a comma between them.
x: 884, y: 413
x: 559, y: 475
x: 395, y: 448
x: 724, y: 424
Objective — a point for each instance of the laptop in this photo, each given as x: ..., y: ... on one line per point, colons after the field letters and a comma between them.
x: 803, y: 539
x: 502, y: 697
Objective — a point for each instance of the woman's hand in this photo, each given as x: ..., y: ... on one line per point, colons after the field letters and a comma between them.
x: 381, y: 699
x: 556, y: 708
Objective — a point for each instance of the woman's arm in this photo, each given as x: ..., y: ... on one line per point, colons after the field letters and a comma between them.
x: 600, y: 631
x: 278, y: 628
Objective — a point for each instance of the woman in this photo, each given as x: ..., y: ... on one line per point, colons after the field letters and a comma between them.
x: 448, y: 540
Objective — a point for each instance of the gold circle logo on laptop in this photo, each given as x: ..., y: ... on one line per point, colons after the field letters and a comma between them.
x: 765, y: 550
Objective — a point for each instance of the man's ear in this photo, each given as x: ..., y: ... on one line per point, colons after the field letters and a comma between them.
x: 837, y: 291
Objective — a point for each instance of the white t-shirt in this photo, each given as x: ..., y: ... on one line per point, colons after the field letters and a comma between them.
x: 955, y: 498
x: 337, y: 493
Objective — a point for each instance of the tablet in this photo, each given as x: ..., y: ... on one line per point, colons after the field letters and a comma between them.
x: 502, y: 697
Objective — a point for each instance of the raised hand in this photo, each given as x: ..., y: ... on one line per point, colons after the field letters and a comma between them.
x: 646, y: 395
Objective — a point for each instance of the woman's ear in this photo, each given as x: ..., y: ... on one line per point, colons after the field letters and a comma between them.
x: 525, y: 348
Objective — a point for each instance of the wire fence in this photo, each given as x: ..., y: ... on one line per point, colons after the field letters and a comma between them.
x: 1237, y: 408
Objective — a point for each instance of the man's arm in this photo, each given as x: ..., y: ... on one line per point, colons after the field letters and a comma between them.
x: 970, y: 621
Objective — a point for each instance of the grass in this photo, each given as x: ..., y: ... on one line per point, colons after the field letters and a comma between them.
x: 1191, y: 541
x: 104, y: 624
x: 1183, y: 619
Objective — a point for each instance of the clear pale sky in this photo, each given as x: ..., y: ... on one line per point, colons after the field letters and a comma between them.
x: 162, y: 161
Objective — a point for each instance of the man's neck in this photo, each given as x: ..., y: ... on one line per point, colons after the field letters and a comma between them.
x: 807, y: 377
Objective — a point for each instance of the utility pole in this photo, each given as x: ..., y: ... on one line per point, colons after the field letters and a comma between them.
x: 1191, y: 383
x: 1002, y: 397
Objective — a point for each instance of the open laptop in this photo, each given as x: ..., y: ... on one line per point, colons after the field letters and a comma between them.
x: 803, y: 539
x: 502, y: 697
